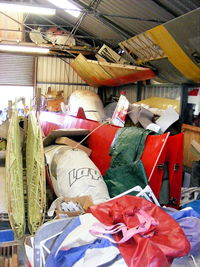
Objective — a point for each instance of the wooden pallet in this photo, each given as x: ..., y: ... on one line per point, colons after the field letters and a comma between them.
x: 9, y: 254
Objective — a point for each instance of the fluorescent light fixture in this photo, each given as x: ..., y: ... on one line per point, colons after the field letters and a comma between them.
x: 24, y: 49
x: 26, y: 9
x: 67, y: 6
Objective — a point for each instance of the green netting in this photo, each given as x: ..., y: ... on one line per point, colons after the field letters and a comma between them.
x: 14, y: 177
x: 35, y: 172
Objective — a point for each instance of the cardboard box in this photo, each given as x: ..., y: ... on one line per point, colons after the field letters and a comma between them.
x: 84, y: 201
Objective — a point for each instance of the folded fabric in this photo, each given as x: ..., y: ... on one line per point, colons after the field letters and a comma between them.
x: 77, y: 247
x: 186, y: 212
x: 189, y: 221
x: 191, y: 228
x: 194, y: 204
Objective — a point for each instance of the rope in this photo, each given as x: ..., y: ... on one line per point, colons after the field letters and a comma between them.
x: 99, y: 126
x: 109, y: 122
x: 193, y: 259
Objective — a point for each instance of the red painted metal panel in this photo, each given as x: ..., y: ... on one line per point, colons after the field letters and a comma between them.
x: 134, y: 77
x: 174, y: 158
x: 158, y: 149
x: 153, y: 159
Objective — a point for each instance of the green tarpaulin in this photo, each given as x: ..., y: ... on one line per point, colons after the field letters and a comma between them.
x: 126, y: 169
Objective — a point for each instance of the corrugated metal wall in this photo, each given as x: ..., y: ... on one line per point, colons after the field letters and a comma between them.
x: 57, y: 74
x: 16, y: 70
x: 162, y: 90
x: 131, y: 92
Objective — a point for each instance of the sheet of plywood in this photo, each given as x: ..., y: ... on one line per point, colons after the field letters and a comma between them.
x: 109, y: 74
x: 69, y: 142
x: 190, y: 133
x: 73, y: 133
x: 195, y: 146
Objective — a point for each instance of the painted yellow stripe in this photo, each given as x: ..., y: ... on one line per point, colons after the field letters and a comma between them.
x: 174, y: 53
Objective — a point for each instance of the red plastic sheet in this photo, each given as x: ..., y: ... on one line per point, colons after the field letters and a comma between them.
x: 167, y: 242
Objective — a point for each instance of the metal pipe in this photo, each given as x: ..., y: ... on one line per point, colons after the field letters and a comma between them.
x: 76, y: 36
x: 106, y: 21
x: 90, y: 10
x: 130, y: 17
x: 23, y: 24
x: 47, y: 25
x: 99, y: 42
x: 57, y: 83
x: 50, y: 21
x: 97, y: 13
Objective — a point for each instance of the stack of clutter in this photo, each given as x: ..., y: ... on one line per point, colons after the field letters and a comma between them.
x: 90, y: 229
x: 112, y: 220
x: 155, y: 113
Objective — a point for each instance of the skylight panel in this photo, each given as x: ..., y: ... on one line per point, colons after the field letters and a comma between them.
x: 67, y: 6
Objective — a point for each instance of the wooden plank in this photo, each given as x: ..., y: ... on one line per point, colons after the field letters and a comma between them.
x: 50, y: 138
x: 14, y: 261
x: 191, y: 128
x: 2, y: 261
x: 9, y: 109
x: 6, y: 264
x: 195, y: 146
x: 38, y: 99
x: 9, y: 254
x: 69, y: 142
x: 190, y: 133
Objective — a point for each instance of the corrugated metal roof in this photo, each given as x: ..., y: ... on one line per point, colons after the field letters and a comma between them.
x: 143, y: 10
x: 96, y: 28
x: 181, y: 7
